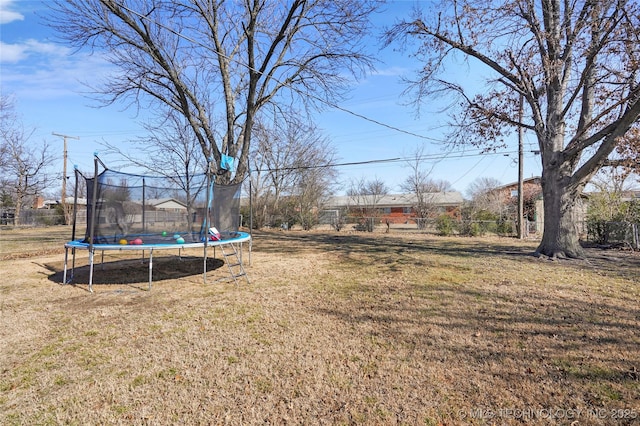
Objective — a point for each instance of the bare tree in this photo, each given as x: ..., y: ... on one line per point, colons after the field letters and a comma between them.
x: 23, y: 166
x: 311, y: 193
x: 486, y: 206
x: 7, y: 127
x: 575, y: 65
x: 171, y: 151
x: 364, y: 197
x: 628, y: 154
x: 367, y: 193
x: 612, y: 207
x: 293, y: 173
x: 484, y: 195
x: 260, y: 189
x: 423, y: 187
x: 218, y: 63
x: 607, y: 202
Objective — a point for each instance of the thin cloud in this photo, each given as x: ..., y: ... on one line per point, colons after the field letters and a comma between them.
x: 33, y: 68
x: 12, y: 53
x: 17, y: 52
x: 38, y: 47
x: 6, y: 15
x: 58, y: 78
x: 390, y: 72
x: 37, y: 70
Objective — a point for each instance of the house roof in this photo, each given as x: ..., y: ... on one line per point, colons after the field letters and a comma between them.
x: 534, y: 180
x: 626, y: 196
x: 159, y: 201
x: 632, y: 195
x: 451, y: 198
x: 68, y: 200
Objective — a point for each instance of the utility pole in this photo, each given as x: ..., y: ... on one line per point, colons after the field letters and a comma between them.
x: 521, y: 223
x: 64, y: 172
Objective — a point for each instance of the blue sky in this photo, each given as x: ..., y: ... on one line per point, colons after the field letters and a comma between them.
x: 46, y: 79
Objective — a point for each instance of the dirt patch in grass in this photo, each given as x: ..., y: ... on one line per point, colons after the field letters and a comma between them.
x: 335, y: 328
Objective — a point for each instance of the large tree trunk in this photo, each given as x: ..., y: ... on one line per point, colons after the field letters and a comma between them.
x: 561, y: 206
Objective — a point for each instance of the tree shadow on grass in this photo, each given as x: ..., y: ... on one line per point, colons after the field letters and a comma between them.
x: 348, y: 243
x: 624, y: 263
x: 132, y: 272
x: 618, y: 263
x: 517, y: 340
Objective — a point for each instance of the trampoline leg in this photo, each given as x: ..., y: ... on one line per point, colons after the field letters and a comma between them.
x: 64, y: 274
x: 150, y: 267
x: 91, y: 271
x: 73, y: 263
x: 204, y: 268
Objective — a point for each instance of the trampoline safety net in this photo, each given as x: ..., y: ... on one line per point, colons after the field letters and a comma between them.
x: 137, y: 209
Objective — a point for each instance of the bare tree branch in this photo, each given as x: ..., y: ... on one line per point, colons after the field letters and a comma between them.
x: 218, y: 63
x: 577, y: 66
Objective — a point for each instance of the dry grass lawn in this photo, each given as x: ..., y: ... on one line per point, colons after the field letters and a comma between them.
x: 335, y: 328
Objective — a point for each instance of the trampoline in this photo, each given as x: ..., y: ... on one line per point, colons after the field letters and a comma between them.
x: 127, y: 212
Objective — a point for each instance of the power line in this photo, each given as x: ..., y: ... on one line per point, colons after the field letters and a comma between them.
x: 307, y: 94
x: 430, y: 157
x: 321, y: 166
x: 469, y: 170
x: 433, y: 157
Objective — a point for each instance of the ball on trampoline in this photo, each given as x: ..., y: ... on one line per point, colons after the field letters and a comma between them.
x: 180, y: 240
x: 164, y: 233
x: 137, y: 241
x: 123, y: 242
x: 176, y: 236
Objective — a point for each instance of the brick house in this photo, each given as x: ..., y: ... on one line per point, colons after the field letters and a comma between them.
x: 532, y: 191
x: 534, y: 204
x: 397, y: 208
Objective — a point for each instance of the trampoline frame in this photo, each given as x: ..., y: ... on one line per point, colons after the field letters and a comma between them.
x: 240, y: 239
x: 91, y: 246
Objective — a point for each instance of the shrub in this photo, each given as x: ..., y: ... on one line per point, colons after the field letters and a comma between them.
x: 505, y: 227
x: 475, y: 230
x: 445, y: 225
x: 597, y: 230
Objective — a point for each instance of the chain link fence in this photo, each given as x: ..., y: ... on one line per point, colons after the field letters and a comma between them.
x: 444, y: 225
x: 614, y: 233
x: 605, y: 233
x: 32, y: 217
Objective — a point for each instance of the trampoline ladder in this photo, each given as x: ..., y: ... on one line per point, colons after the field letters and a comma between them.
x: 233, y: 259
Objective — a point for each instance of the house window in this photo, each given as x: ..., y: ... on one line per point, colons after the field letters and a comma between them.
x: 514, y: 192
x: 386, y: 210
x: 406, y: 210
